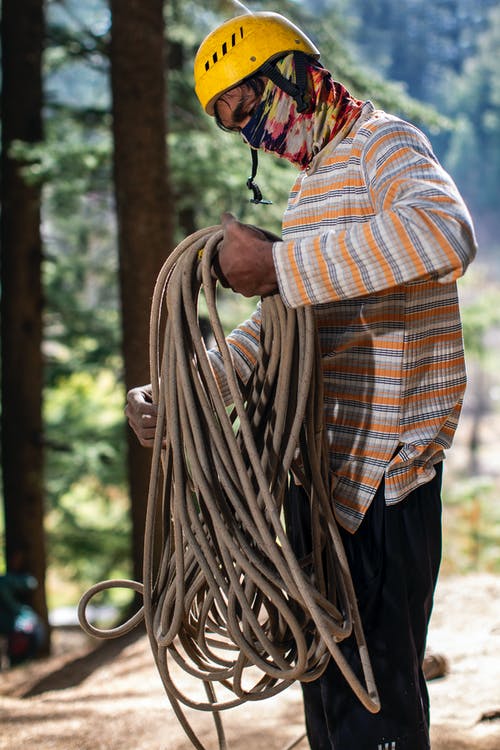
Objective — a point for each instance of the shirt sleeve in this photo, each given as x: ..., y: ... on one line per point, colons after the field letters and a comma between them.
x: 418, y: 228
x: 243, y: 343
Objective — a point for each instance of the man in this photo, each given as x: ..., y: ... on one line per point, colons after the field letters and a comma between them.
x: 375, y: 235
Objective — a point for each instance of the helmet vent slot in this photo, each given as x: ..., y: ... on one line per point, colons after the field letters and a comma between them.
x: 215, y: 55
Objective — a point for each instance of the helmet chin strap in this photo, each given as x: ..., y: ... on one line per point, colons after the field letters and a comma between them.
x: 251, y: 184
x: 297, y: 91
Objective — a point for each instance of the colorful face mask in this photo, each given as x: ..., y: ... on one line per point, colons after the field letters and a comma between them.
x: 276, y: 126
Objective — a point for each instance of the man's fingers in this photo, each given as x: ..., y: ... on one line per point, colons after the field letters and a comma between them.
x: 227, y: 218
x: 140, y: 407
x: 146, y: 438
x: 144, y: 432
x: 142, y: 414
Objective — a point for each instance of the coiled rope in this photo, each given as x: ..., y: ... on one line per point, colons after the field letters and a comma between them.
x: 224, y: 595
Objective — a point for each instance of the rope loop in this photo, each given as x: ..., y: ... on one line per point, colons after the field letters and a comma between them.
x: 122, y: 629
x: 225, y: 597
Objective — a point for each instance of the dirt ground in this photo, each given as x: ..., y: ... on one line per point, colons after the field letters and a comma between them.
x: 108, y: 696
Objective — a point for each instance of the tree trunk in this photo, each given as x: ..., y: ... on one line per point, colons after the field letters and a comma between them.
x: 21, y: 306
x: 143, y: 202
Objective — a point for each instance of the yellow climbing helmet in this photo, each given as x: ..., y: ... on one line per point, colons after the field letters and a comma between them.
x: 239, y: 47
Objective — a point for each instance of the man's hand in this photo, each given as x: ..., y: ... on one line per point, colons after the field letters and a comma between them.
x: 246, y: 258
x: 141, y: 414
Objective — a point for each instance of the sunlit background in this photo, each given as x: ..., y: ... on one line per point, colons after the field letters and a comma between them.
x: 434, y: 63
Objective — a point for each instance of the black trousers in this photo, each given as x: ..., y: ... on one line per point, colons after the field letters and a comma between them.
x: 394, y: 559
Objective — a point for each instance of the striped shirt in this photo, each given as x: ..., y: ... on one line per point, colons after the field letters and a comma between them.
x: 375, y: 235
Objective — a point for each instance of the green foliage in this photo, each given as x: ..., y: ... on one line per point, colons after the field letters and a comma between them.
x: 85, y: 428
x: 479, y: 292
x: 221, y: 164
x: 472, y: 490
x: 474, y: 99
x: 333, y: 34
x: 89, y: 530
x: 446, y: 55
x: 472, y: 526
x: 82, y: 319
x: 84, y: 422
x: 479, y: 318
x: 417, y: 42
x: 66, y: 162
x: 88, y: 524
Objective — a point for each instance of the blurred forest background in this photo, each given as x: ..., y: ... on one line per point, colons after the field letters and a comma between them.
x: 108, y: 162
